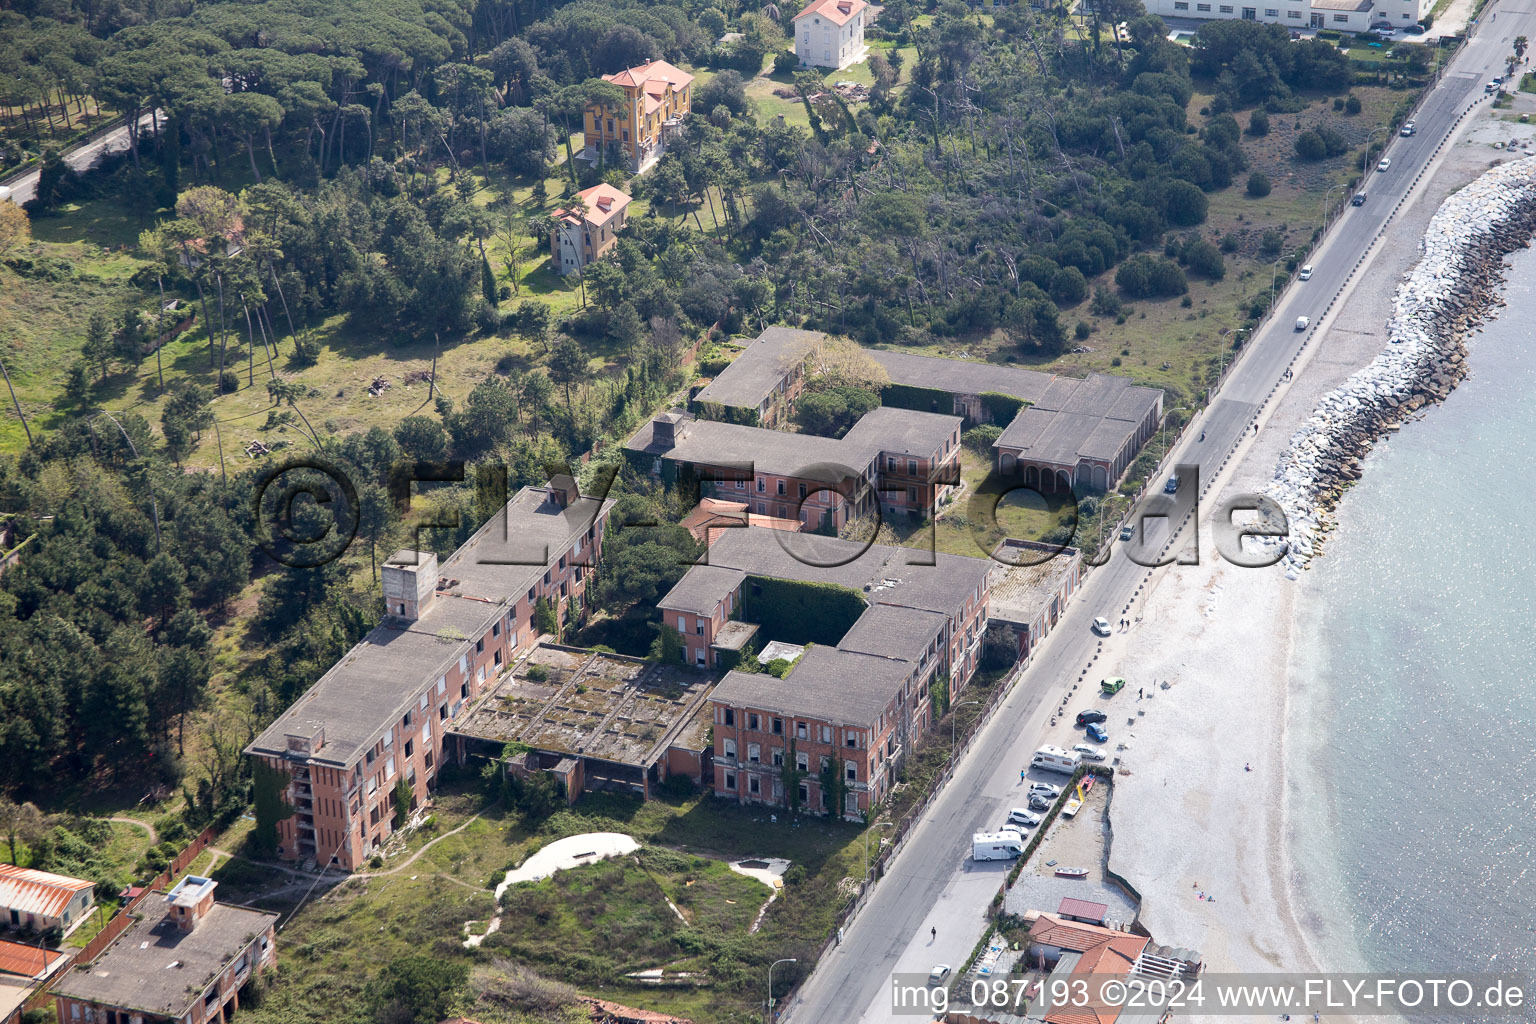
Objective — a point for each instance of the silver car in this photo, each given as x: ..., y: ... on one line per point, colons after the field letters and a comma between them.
x: 1044, y: 789
x: 1089, y: 751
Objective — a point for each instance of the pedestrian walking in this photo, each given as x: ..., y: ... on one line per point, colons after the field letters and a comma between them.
x: 935, y: 933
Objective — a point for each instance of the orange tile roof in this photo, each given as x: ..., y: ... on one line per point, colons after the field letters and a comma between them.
x: 604, y: 202
x: 37, y: 892
x: 654, y: 71
x: 838, y: 12
x: 1104, y: 951
x: 27, y: 961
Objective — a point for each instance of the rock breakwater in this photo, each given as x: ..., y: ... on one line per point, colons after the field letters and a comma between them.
x: 1451, y: 289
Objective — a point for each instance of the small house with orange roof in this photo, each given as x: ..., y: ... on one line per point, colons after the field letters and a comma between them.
x: 34, y: 900
x: 657, y: 97
x: 830, y: 33
x: 587, y: 230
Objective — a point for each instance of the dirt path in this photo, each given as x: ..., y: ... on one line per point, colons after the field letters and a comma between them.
x: 154, y: 837
x: 333, y: 877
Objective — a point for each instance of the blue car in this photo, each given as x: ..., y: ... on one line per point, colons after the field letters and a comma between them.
x: 1096, y: 733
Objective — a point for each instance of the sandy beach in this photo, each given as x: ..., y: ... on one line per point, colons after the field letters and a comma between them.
x: 1191, y: 818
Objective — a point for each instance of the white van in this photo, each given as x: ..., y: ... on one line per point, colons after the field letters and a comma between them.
x: 997, y: 845
x: 1055, y: 759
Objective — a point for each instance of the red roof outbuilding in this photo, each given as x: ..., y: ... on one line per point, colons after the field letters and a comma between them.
x: 1083, y: 910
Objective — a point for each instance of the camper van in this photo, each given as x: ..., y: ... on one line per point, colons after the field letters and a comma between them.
x: 1004, y: 845
x: 1055, y: 759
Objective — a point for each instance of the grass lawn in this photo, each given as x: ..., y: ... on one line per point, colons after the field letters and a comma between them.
x: 587, y: 927
x: 82, y: 270
x: 983, y: 515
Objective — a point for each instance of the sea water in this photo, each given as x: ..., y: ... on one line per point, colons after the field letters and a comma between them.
x: 1412, y: 720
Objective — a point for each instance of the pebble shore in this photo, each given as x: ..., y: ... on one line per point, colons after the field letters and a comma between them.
x: 1451, y: 289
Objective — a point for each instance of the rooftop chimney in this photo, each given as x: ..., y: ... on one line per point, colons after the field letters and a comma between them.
x: 190, y: 901
x: 563, y: 491
x: 668, y: 428
x: 409, y: 579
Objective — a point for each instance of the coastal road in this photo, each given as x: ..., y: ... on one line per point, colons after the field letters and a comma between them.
x: 83, y: 157
x: 932, y: 884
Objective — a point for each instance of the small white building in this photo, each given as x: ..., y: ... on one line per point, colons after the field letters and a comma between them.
x: 830, y: 33
x: 1337, y: 15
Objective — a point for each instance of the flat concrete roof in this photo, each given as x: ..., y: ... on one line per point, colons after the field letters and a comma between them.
x: 1020, y: 592
x: 156, y: 968
x: 962, y: 377
x: 1068, y: 418
x: 734, y: 635
x: 910, y: 606
x: 712, y: 443
x: 754, y: 374
x: 363, y: 694
x: 889, y: 631
x: 1080, y: 419
x: 828, y: 683
x: 701, y: 589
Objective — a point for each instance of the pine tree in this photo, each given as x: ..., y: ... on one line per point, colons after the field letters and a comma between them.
x: 487, y: 282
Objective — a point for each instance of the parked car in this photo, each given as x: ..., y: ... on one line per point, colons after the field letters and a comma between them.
x: 1101, y: 626
x: 1112, y: 686
x: 1384, y: 164
x: 1303, y: 322
x: 1410, y: 129
x: 940, y: 974
x: 1096, y: 732
x: 1044, y: 789
x: 1091, y: 715
x: 1491, y: 87
x: 1088, y: 752
x: 1414, y: 30
x: 1019, y: 816
x: 1039, y: 802
x: 1359, y: 199
x: 1306, y: 272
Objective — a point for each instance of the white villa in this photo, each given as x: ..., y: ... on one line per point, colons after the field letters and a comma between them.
x: 1339, y: 15
x: 830, y: 33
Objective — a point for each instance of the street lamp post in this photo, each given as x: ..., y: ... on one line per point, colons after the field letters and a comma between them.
x: 1221, y: 366
x: 1274, y: 271
x: 877, y: 825
x: 1162, y: 429
x: 785, y: 960
x: 1365, y: 160
x: 1323, y: 214
x: 954, y: 715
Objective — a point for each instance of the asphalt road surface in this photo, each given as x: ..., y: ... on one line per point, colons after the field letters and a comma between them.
x: 82, y: 158
x: 932, y: 882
